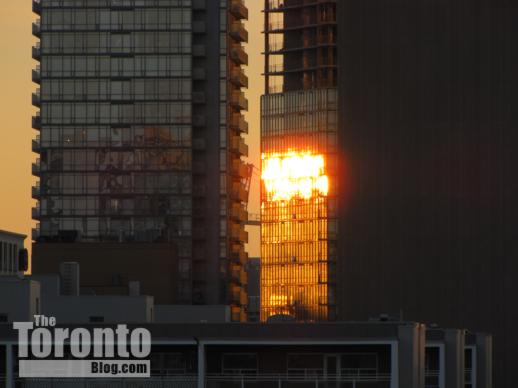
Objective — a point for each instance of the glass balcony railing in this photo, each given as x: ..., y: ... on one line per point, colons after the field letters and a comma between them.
x: 36, y: 28
x: 36, y: 51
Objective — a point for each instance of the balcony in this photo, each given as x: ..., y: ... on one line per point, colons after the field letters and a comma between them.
x: 36, y: 168
x: 36, y: 233
x: 238, y: 233
x: 238, y: 213
x: 243, y: 300
x: 36, y: 7
x: 235, y: 273
x: 238, y: 9
x: 238, y: 123
x: 36, y: 75
x: 36, y: 191
x: 238, y: 146
x: 238, y: 254
x: 36, y: 121
x: 36, y: 98
x: 238, y: 100
x: 238, y: 32
x: 36, y: 215
x: 36, y: 51
x: 239, y: 169
x: 238, y: 77
x: 36, y: 145
x: 244, y: 277
x: 235, y: 296
x: 239, y: 193
x: 36, y: 28
x: 238, y: 55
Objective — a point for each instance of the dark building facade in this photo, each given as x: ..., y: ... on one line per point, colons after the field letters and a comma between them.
x: 422, y: 207
x: 140, y: 142
x: 428, y: 149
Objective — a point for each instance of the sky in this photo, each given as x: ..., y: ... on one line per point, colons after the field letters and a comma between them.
x: 16, y: 157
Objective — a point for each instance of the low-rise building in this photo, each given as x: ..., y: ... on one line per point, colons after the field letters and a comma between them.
x: 13, y: 256
x: 45, y: 294
x: 348, y: 354
x: 20, y: 299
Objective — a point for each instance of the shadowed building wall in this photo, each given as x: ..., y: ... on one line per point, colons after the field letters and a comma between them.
x: 428, y: 138
x: 108, y: 268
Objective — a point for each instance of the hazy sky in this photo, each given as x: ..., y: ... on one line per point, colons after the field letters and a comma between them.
x: 15, y: 113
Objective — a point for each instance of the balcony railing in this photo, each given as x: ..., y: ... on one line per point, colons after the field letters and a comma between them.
x: 36, y: 98
x: 239, y: 55
x: 36, y: 235
x: 238, y: 9
x: 36, y: 191
x: 36, y: 51
x: 36, y: 75
x: 239, y: 146
x: 36, y: 167
x: 36, y: 6
x: 35, y: 213
x: 36, y: 28
x: 239, y: 32
x: 239, y: 78
x: 239, y: 169
x: 239, y: 123
x: 36, y: 121
x: 239, y: 100
x: 36, y: 144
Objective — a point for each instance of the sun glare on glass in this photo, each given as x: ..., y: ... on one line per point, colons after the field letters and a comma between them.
x: 294, y: 175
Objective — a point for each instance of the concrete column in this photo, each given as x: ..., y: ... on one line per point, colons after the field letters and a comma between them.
x: 484, y: 361
x: 9, y: 366
x: 201, y: 365
x: 410, y: 356
x: 454, y: 356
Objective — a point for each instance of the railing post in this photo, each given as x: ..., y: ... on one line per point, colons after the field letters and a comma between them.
x: 9, y: 366
x: 201, y: 365
x: 242, y: 381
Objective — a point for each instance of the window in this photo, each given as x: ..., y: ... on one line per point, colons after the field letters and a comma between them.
x: 96, y: 319
x: 239, y: 363
x: 3, y: 318
x: 306, y: 364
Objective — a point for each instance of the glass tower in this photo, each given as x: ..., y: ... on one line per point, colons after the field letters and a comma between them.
x: 299, y: 161
x: 140, y: 133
